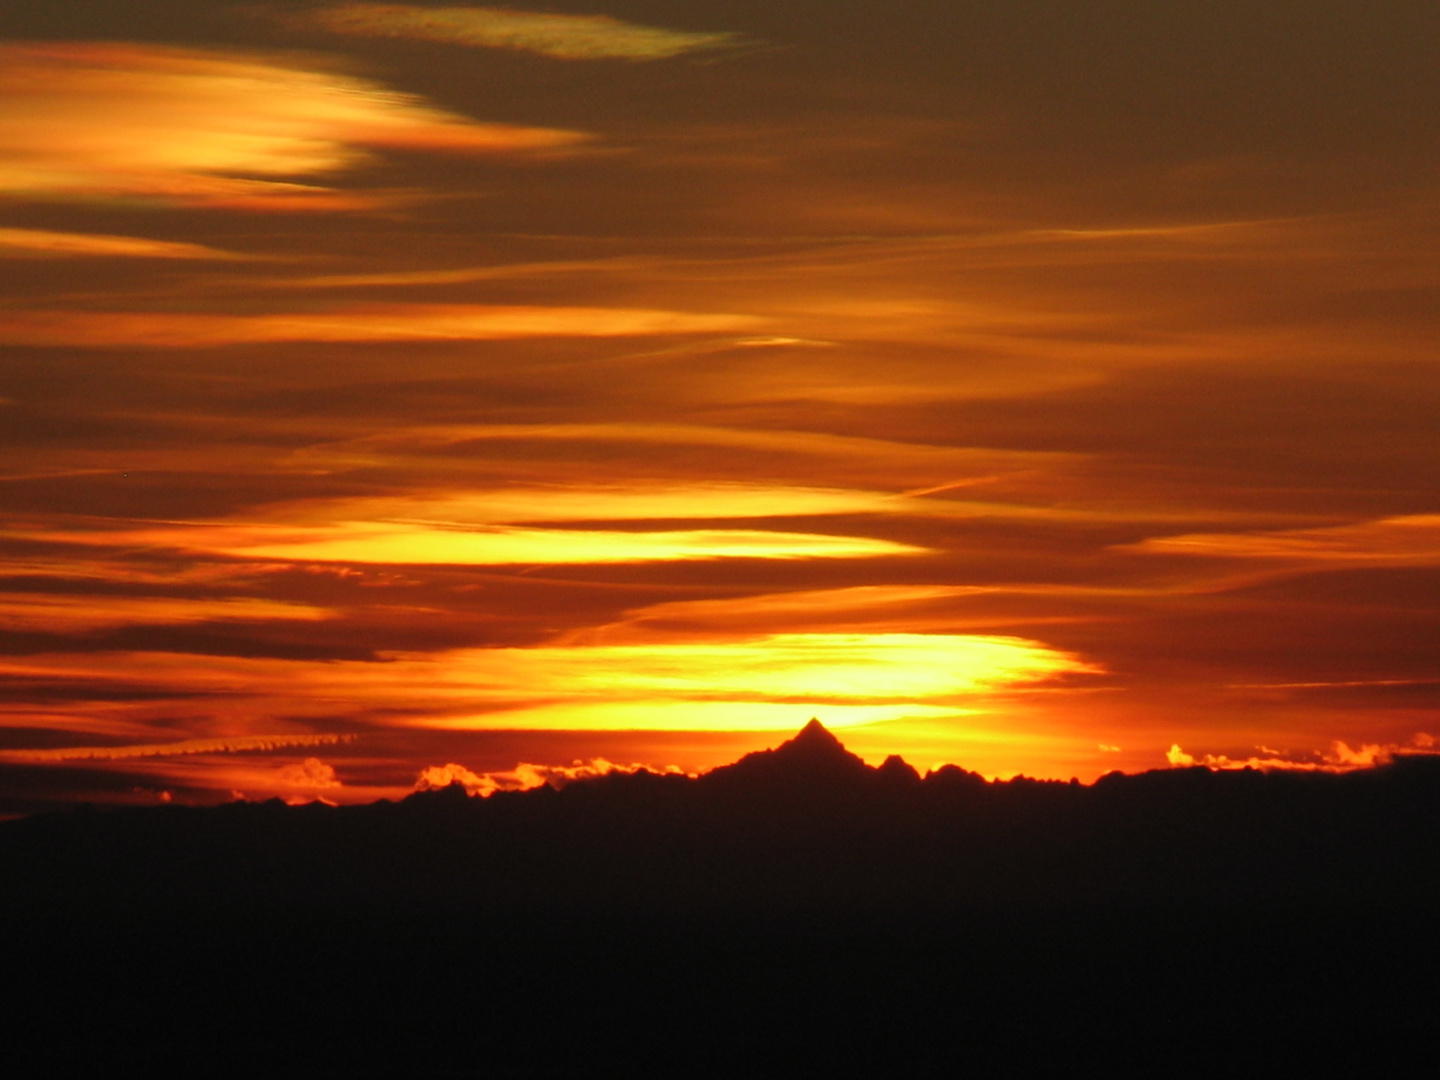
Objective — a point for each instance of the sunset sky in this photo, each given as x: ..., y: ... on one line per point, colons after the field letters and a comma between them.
x: 397, y: 393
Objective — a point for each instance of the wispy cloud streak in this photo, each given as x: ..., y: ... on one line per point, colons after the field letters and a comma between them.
x: 381, y: 322
x: 40, y: 242
x: 564, y: 37
x: 69, y: 613
x: 232, y: 745
x: 1409, y: 540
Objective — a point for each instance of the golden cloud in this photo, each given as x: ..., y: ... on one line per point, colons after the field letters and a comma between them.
x: 1339, y: 758
x: 768, y: 682
x: 860, y: 668
x: 375, y: 322
x: 421, y: 545
x: 761, y: 684
x: 59, y: 244
x: 479, y: 528
x: 361, y: 542
x: 197, y: 127
x: 564, y: 37
x: 524, y: 776
x: 631, y: 502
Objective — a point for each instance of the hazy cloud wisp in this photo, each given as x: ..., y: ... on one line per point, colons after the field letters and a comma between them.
x: 563, y: 37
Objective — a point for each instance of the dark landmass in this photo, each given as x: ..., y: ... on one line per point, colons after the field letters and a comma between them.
x: 807, y: 828
x: 796, y: 897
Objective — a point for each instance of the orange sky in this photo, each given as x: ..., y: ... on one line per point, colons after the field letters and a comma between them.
x: 387, y: 388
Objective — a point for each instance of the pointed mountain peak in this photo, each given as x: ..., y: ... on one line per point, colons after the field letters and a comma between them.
x: 815, y: 743
x: 813, y: 753
x: 815, y: 734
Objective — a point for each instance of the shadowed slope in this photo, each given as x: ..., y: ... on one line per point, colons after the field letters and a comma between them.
x: 814, y: 756
x: 797, y: 899
x: 806, y: 826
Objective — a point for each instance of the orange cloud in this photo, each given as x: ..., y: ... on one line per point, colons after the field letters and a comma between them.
x: 310, y: 773
x: 375, y: 322
x: 67, y: 613
x: 858, y: 607
x: 464, y: 275
x: 197, y: 127
x: 564, y: 37
x: 871, y: 461
x: 58, y: 244
x: 295, y: 782
x: 1410, y: 540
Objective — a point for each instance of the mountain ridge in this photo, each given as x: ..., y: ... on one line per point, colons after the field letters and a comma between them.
x: 804, y: 826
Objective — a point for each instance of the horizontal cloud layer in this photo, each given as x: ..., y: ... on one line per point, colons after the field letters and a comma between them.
x: 59, y: 244
x: 565, y: 37
x: 419, y: 545
x: 379, y: 322
x: 68, y: 613
x: 760, y: 683
x: 1413, y: 539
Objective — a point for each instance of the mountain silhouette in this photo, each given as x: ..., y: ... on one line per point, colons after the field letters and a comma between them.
x: 796, y: 898
x: 814, y: 756
x: 806, y: 825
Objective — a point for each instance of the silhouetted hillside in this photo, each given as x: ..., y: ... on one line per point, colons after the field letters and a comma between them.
x: 795, y: 911
x: 807, y: 827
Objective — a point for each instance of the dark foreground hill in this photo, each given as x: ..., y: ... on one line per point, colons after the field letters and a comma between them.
x: 806, y: 828
x: 796, y: 898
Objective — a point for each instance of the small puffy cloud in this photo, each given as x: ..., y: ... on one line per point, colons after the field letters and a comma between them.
x: 564, y: 37
x: 525, y: 775
x: 442, y: 776
x: 1341, y: 757
x: 312, y: 773
x: 192, y: 127
x: 1177, y: 758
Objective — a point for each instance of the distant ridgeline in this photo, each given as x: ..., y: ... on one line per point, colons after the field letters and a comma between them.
x: 805, y: 828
